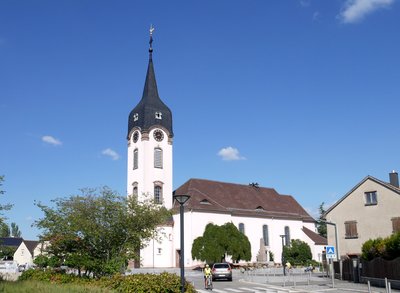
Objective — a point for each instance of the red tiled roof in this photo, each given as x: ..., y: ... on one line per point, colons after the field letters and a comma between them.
x: 316, y: 238
x: 241, y: 200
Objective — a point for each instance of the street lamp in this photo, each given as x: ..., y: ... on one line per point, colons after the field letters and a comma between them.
x: 283, y: 258
x: 181, y: 199
x: 336, y: 237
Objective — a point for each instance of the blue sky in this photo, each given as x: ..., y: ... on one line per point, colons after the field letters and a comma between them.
x: 298, y: 95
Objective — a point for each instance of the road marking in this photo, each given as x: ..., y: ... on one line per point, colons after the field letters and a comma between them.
x: 254, y: 290
x: 233, y: 290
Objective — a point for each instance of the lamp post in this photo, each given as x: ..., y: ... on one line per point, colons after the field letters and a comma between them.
x: 283, y: 258
x: 336, y: 237
x: 181, y: 199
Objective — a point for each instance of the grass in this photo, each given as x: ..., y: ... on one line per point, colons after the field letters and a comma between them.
x: 42, y: 287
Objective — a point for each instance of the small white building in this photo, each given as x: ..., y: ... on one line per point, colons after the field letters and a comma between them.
x: 27, y: 251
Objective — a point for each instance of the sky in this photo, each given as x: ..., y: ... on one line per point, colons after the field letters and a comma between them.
x: 298, y: 95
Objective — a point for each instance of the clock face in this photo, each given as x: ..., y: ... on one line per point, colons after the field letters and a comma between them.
x: 158, y: 135
x: 135, y: 136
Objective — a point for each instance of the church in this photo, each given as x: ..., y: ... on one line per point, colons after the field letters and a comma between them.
x: 269, y: 219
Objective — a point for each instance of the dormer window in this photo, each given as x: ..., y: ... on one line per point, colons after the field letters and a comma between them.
x: 204, y: 201
x: 135, y: 117
x: 259, y: 209
x: 158, y: 115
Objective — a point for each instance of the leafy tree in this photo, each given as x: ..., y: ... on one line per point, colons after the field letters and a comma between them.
x: 321, y: 226
x: 4, y: 207
x: 4, y: 230
x: 298, y: 253
x: 98, y: 231
x: 219, y: 241
x: 15, y: 232
x: 7, y: 251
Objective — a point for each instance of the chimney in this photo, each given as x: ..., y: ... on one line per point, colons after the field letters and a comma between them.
x: 394, y: 178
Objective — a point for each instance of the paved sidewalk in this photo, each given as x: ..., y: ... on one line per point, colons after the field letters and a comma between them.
x: 299, y: 281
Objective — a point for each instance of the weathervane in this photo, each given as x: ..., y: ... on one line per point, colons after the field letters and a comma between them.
x: 151, y: 38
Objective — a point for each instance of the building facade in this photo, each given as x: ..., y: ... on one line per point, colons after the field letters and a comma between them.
x: 371, y: 209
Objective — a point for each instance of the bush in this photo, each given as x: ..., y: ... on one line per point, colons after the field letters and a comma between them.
x: 298, y: 253
x: 140, y: 283
x: 388, y: 248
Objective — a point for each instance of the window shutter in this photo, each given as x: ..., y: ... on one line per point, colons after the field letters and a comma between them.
x: 396, y: 224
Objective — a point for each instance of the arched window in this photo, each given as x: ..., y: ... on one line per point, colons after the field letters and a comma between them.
x: 158, y: 194
x: 135, y: 191
x: 265, y: 235
x: 158, y: 158
x: 135, y: 158
x: 287, y: 236
x: 241, y: 228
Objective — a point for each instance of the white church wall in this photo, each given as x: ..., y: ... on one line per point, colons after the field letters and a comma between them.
x: 195, y: 223
x: 159, y: 254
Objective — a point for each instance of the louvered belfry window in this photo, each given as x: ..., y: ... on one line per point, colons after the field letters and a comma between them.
x: 351, y: 229
x: 135, y: 158
x: 158, y: 158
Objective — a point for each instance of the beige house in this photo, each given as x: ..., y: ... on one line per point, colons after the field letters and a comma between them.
x: 368, y: 211
x: 27, y: 251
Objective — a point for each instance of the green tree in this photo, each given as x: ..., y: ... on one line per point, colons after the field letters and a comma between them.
x: 321, y: 225
x: 220, y: 241
x: 98, y: 231
x: 298, y: 253
x: 4, y: 207
x: 4, y: 230
x: 15, y: 232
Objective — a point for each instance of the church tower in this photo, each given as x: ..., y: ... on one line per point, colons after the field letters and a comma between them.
x: 150, y: 143
x: 150, y: 162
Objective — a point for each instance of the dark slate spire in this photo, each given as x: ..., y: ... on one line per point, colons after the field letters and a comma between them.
x: 150, y: 111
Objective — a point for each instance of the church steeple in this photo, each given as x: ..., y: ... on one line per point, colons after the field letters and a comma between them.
x: 150, y: 111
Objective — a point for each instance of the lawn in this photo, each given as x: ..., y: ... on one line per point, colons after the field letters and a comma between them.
x: 42, y: 287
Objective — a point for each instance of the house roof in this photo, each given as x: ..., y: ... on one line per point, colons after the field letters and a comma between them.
x: 316, y: 238
x: 10, y: 241
x: 31, y: 245
x: 241, y: 200
x: 380, y: 182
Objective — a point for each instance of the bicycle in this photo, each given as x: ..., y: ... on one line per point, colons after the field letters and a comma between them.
x: 209, y: 284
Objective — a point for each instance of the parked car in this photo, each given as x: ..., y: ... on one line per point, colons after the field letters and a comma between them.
x: 221, y: 271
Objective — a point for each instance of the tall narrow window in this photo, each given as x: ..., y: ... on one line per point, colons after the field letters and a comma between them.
x: 158, y: 194
x: 351, y: 229
x: 241, y: 228
x: 287, y: 236
x: 396, y: 224
x: 135, y: 191
x: 158, y: 158
x: 265, y: 235
x: 371, y: 198
x: 135, y: 159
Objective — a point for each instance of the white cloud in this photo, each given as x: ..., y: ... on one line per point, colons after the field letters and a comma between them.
x: 230, y: 154
x: 111, y: 153
x: 316, y: 16
x: 305, y: 3
x: 51, y: 140
x: 356, y: 10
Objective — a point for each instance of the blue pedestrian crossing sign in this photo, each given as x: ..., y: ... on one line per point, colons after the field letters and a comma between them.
x: 330, y: 252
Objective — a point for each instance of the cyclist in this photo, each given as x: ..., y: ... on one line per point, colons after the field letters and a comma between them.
x: 207, y: 276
